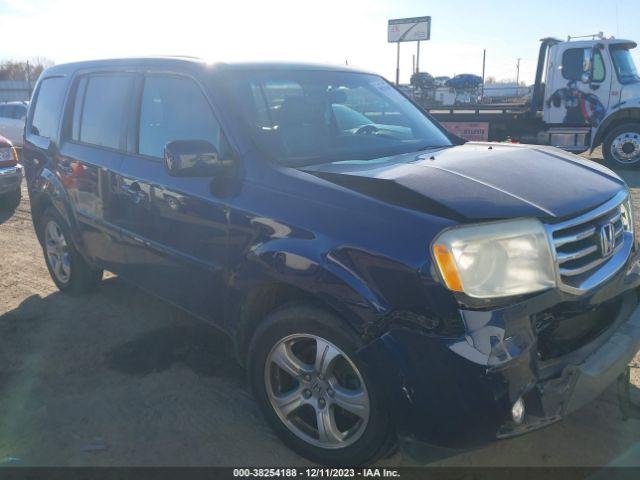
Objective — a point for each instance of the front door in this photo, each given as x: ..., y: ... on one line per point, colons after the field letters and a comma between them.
x: 175, y: 229
x: 578, y: 86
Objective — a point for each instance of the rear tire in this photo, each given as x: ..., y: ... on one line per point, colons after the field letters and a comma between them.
x: 621, y: 147
x: 10, y: 201
x: 317, y: 389
x: 68, y: 269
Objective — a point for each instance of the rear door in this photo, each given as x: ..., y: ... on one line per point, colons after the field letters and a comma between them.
x: 91, y: 154
x: 175, y: 229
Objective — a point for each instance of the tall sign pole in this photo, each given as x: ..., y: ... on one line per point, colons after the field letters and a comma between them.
x: 484, y: 58
x: 408, y: 30
x: 398, y: 65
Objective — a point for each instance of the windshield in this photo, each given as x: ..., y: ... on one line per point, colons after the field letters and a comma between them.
x: 306, y: 117
x: 624, y: 64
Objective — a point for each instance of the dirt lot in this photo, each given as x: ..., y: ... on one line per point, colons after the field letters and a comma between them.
x: 121, y: 378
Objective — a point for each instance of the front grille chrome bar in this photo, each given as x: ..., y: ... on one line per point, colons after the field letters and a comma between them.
x: 582, y: 261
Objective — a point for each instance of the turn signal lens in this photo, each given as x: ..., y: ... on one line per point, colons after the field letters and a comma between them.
x: 447, y: 267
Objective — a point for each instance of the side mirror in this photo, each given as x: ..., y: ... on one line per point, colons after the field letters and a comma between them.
x: 195, y: 158
x: 587, y: 59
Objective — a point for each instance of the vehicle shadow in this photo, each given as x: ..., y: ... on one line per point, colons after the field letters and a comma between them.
x: 154, y: 348
x: 103, y: 361
x: 632, y: 177
x: 5, y: 215
x: 199, y: 348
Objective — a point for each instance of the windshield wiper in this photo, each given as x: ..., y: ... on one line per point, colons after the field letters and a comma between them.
x: 430, y: 147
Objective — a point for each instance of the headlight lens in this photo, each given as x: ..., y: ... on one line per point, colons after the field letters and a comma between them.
x: 496, y: 259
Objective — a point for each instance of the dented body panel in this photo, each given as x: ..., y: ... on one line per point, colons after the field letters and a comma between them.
x: 458, y: 392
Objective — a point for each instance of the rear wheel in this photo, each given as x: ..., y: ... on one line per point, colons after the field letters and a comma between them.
x: 621, y: 147
x: 10, y: 201
x: 68, y: 269
x: 313, y: 390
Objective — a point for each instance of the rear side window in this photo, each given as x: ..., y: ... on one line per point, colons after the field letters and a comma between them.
x: 174, y: 108
x: 100, y: 109
x: 48, y: 106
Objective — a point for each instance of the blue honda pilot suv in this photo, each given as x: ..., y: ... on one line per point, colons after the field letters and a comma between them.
x: 379, y: 277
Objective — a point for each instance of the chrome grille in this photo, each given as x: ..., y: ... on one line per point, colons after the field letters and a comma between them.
x: 580, y: 250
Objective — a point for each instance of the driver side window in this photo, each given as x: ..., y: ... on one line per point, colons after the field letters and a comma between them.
x: 175, y: 108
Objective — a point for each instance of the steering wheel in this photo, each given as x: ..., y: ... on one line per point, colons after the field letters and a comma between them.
x: 367, y: 130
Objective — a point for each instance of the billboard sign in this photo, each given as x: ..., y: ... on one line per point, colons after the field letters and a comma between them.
x: 409, y: 29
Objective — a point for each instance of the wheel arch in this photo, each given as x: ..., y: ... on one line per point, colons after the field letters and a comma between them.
x: 262, y: 299
x: 615, y: 119
x: 47, y: 191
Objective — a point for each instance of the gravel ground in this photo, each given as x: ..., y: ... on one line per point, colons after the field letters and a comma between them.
x: 121, y: 378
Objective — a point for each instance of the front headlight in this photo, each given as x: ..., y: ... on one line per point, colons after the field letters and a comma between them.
x: 496, y: 259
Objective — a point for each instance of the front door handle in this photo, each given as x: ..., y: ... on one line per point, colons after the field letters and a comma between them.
x: 135, y: 192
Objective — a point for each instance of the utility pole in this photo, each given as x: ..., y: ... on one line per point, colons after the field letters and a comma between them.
x: 29, y: 77
x: 398, y: 65
x: 484, y: 58
x: 518, y: 77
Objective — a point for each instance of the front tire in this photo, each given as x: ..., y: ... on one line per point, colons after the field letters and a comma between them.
x: 621, y: 147
x: 68, y: 269
x: 316, y: 394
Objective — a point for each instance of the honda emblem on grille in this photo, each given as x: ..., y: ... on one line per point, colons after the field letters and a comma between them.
x: 607, y: 239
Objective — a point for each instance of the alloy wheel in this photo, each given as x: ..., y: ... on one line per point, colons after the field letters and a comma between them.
x: 317, y: 391
x: 57, y: 252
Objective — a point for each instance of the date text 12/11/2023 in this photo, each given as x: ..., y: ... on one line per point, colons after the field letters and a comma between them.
x: 316, y: 472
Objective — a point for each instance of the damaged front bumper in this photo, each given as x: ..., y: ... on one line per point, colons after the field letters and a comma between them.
x: 459, y: 392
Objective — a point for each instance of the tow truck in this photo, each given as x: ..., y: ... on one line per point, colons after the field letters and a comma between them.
x: 586, y: 94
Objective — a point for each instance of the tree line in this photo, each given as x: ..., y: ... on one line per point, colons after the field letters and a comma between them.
x: 27, y: 70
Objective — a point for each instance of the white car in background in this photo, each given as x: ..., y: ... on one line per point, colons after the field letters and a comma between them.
x: 12, y: 118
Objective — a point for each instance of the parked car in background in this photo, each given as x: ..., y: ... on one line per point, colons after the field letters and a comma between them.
x: 378, y: 277
x: 12, y: 118
x: 10, y: 176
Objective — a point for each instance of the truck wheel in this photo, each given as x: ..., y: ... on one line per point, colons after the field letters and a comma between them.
x: 313, y: 390
x: 10, y: 201
x: 68, y: 269
x: 621, y: 146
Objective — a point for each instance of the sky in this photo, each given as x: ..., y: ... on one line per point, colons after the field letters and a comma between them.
x: 326, y: 31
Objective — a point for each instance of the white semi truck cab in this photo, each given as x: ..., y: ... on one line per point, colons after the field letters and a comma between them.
x: 586, y: 94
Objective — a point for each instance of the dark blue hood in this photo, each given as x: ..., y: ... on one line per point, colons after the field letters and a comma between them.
x: 481, y: 181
